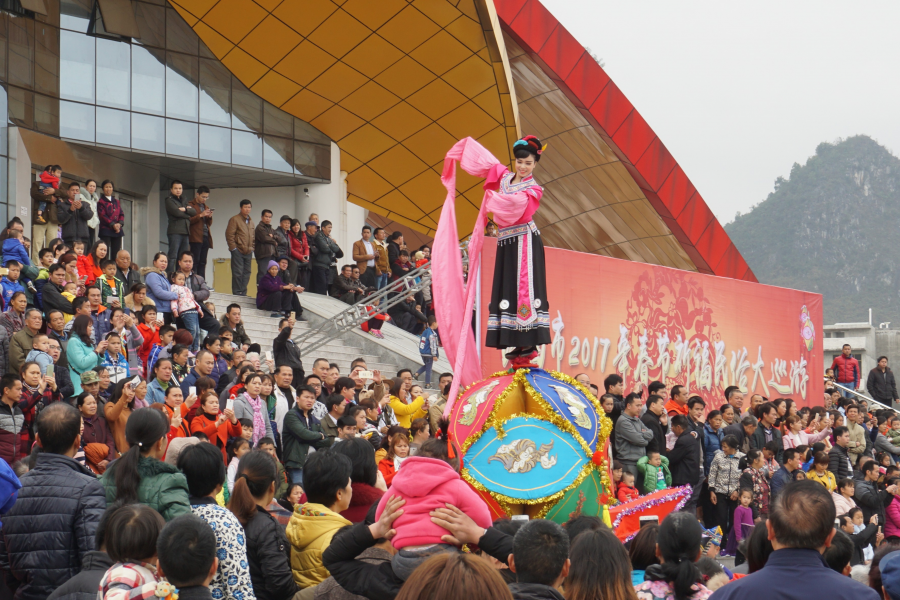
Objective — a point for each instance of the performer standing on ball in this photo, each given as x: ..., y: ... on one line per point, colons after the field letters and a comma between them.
x: 519, y: 312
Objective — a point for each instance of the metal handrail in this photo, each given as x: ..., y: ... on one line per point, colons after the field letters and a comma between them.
x: 867, y: 398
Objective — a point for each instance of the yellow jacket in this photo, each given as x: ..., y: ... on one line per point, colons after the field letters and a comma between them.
x: 310, y: 531
x: 827, y: 479
x: 407, y: 413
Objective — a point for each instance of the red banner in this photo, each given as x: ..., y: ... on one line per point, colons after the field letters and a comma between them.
x: 650, y: 323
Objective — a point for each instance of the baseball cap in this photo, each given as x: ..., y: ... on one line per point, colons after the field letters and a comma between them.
x: 89, y: 377
x: 890, y: 574
x: 308, y: 223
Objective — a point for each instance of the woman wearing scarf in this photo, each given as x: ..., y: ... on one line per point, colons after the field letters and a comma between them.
x: 251, y: 405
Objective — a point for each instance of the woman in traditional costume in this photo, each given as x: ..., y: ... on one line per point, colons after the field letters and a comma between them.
x: 518, y: 315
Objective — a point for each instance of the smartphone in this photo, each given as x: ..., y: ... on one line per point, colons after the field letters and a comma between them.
x: 519, y: 518
x: 135, y: 382
x: 50, y: 370
x: 192, y: 391
x: 229, y: 404
x: 268, y: 355
x: 366, y: 374
x: 294, y: 315
x: 159, y: 318
x: 837, y: 523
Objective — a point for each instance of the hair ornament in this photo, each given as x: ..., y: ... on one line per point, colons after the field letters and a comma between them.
x: 140, y: 445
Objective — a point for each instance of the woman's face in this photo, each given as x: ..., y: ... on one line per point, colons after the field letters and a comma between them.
x: 181, y: 357
x: 20, y: 303
x: 215, y: 347
x: 118, y: 320
x: 759, y: 462
x: 792, y: 410
x: 266, y: 388
x: 273, y: 271
x: 415, y: 391
x: 254, y: 387
x: 101, y: 251
x: 728, y: 416
x: 92, y: 187
x: 90, y: 329
x: 716, y: 422
x: 72, y: 267
x: 89, y: 407
x: 781, y: 408
x: 175, y: 398
x: 32, y: 375
x: 104, y: 380
x: 162, y: 262
x: 424, y: 433
x: 372, y: 414
x: 728, y: 450
x: 296, y: 494
x: 608, y: 405
x: 140, y: 391
x: 348, y: 393
x: 107, y: 189
x: 847, y: 491
x: 211, y: 405
x: 164, y: 371
x: 401, y: 449
x: 296, y: 228
x: 796, y: 426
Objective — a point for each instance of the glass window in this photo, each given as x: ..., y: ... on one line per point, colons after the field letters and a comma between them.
x: 4, y: 214
x: 179, y: 36
x: 276, y: 121
x: 21, y: 52
x: 148, y: 80
x: 76, y: 66
x: 151, y: 21
x: 148, y: 133
x: 4, y: 44
x: 181, y: 138
x: 246, y: 108
x: 75, y: 14
x: 277, y: 154
x: 4, y: 182
x: 46, y: 114
x: 21, y: 107
x: 113, y: 127
x: 4, y: 130
x: 182, y: 77
x: 215, y: 93
x: 306, y: 132
x: 113, y: 73
x: 246, y: 149
x: 312, y: 160
x: 76, y: 121
x: 215, y: 143
x: 46, y: 60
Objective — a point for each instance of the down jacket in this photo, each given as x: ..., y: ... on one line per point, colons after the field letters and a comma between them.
x: 269, y: 555
x: 310, y: 531
x: 163, y: 487
x: 84, y: 586
x: 51, y: 528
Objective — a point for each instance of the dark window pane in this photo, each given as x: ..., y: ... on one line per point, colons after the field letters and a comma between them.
x: 113, y: 127
x: 151, y: 21
x: 4, y: 183
x: 21, y: 107
x: 118, y: 18
x: 21, y: 52
x: 76, y: 73
x: 76, y: 121
x: 181, y: 138
x: 179, y: 36
x: 113, y: 73
x: 46, y: 114
x: 46, y: 63
x: 3, y: 213
x: 215, y: 93
x: 182, y: 77
x: 35, y: 6
x: 278, y: 154
x: 205, y: 52
x: 148, y: 133
x: 246, y: 149
x: 52, y: 16
x: 306, y: 132
x: 4, y: 129
x: 215, y: 143
x: 276, y: 121
x: 246, y: 108
x: 148, y: 80
x: 4, y: 44
x: 312, y: 160
x: 75, y: 14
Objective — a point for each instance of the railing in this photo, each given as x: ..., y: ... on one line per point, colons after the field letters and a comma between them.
x: 869, y: 399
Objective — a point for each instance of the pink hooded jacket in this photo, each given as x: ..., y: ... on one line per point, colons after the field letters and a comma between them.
x: 427, y: 484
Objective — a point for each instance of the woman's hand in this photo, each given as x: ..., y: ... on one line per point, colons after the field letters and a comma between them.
x: 176, y: 420
x: 712, y: 498
x: 734, y: 495
x: 101, y: 347
x: 51, y: 381
x: 190, y: 400
x: 230, y: 415
x: 382, y: 528
x: 380, y: 483
x: 221, y: 418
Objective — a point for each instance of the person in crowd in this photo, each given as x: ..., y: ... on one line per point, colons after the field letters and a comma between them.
x: 843, y: 496
x: 283, y: 248
x: 196, y: 283
x: 801, y: 527
x: 397, y: 452
x: 678, y: 547
x: 867, y: 494
x: 299, y: 253
x: 327, y: 254
x: 218, y: 427
x: 158, y: 288
x: 839, y: 461
x: 654, y: 470
x: 186, y: 308
x: 684, y: 457
x: 883, y: 443
x: 250, y: 405
x: 204, y: 471
x: 22, y: 342
x: 112, y: 218
x: 382, y: 262
x: 301, y: 434
x: 632, y: 436
x: 881, y: 384
x: 677, y: 404
x: 128, y: 273
x: 43, y: 232
x: 265, y: 244
x: 232, y: 320
x: 96, y: 430
x: 365, y: 255
x: 787, y: 472
x: 285, y: 352
x: 820, y: 472
x: 15, y: 438
x: 326, y: 480
x: 200, y: 230
x: 724, y: 482
x: 365, y: 478
x: 240, y: 239
x: 795, y: 436
x: 589, y: 578
x: 712, y: 436
x: 49, y: 531
x: 133, y: 530
x: 275, y: 295
x: 11, y: 322
x: 755, y: 478
x: 140, y: 475
x: 862, y: 538
x: 463, y: 573
x: 846, y: 371
x: 160, y: 380
x: 178, y: 216
x: 95, y: 564
x: 81, y: 352
x: 767, y: 431
x: 188, y: 559
x: 656, y: 420
x: 858, y: 434
x: 73, y: 214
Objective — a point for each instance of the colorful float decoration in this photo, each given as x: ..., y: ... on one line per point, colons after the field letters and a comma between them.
x: 626, y: 517
x: 535, y: 442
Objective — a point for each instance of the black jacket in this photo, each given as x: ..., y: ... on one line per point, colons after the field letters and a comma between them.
x: 133, y: 277
x: 882, y: 386
x: 52, y: 299
x: 378, y: 581
x: 860, y: 541
x: 198, y: 286
x: 74, y: 221
x: 870, y: 500
x: 179, y: 220
x: 684, y: 459
x: 264, y: 237
x: 269, y: 555
x: 534, y: 591
x: 51, y: 527
x: 658, y: 443
x: 286, y: 352
x: 84, y: 586
x: 737, y: 430
x: 839, y: 463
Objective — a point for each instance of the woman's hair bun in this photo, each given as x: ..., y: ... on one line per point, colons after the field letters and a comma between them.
x: 528, y: 146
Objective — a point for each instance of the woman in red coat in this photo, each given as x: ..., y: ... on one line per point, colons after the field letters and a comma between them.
x: 397, y: 451
x: 217, y: 426
x: 299, y: 247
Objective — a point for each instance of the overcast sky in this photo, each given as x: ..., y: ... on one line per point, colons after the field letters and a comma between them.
x: 739, y: 93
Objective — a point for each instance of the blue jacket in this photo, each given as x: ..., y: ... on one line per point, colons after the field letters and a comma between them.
x: 795, y: 574
x: 428, y: 343
x: 118, y: 369
x: 190, y: 380
x: 14, y: 250
x: 781, y: 478
x: 10, y: 288
x: 712, y: 443
x: 81, y: 358
x: 158, y: 289
x: 101, y: 324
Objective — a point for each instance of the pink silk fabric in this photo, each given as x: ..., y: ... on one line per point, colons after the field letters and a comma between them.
x: 454, y: 301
